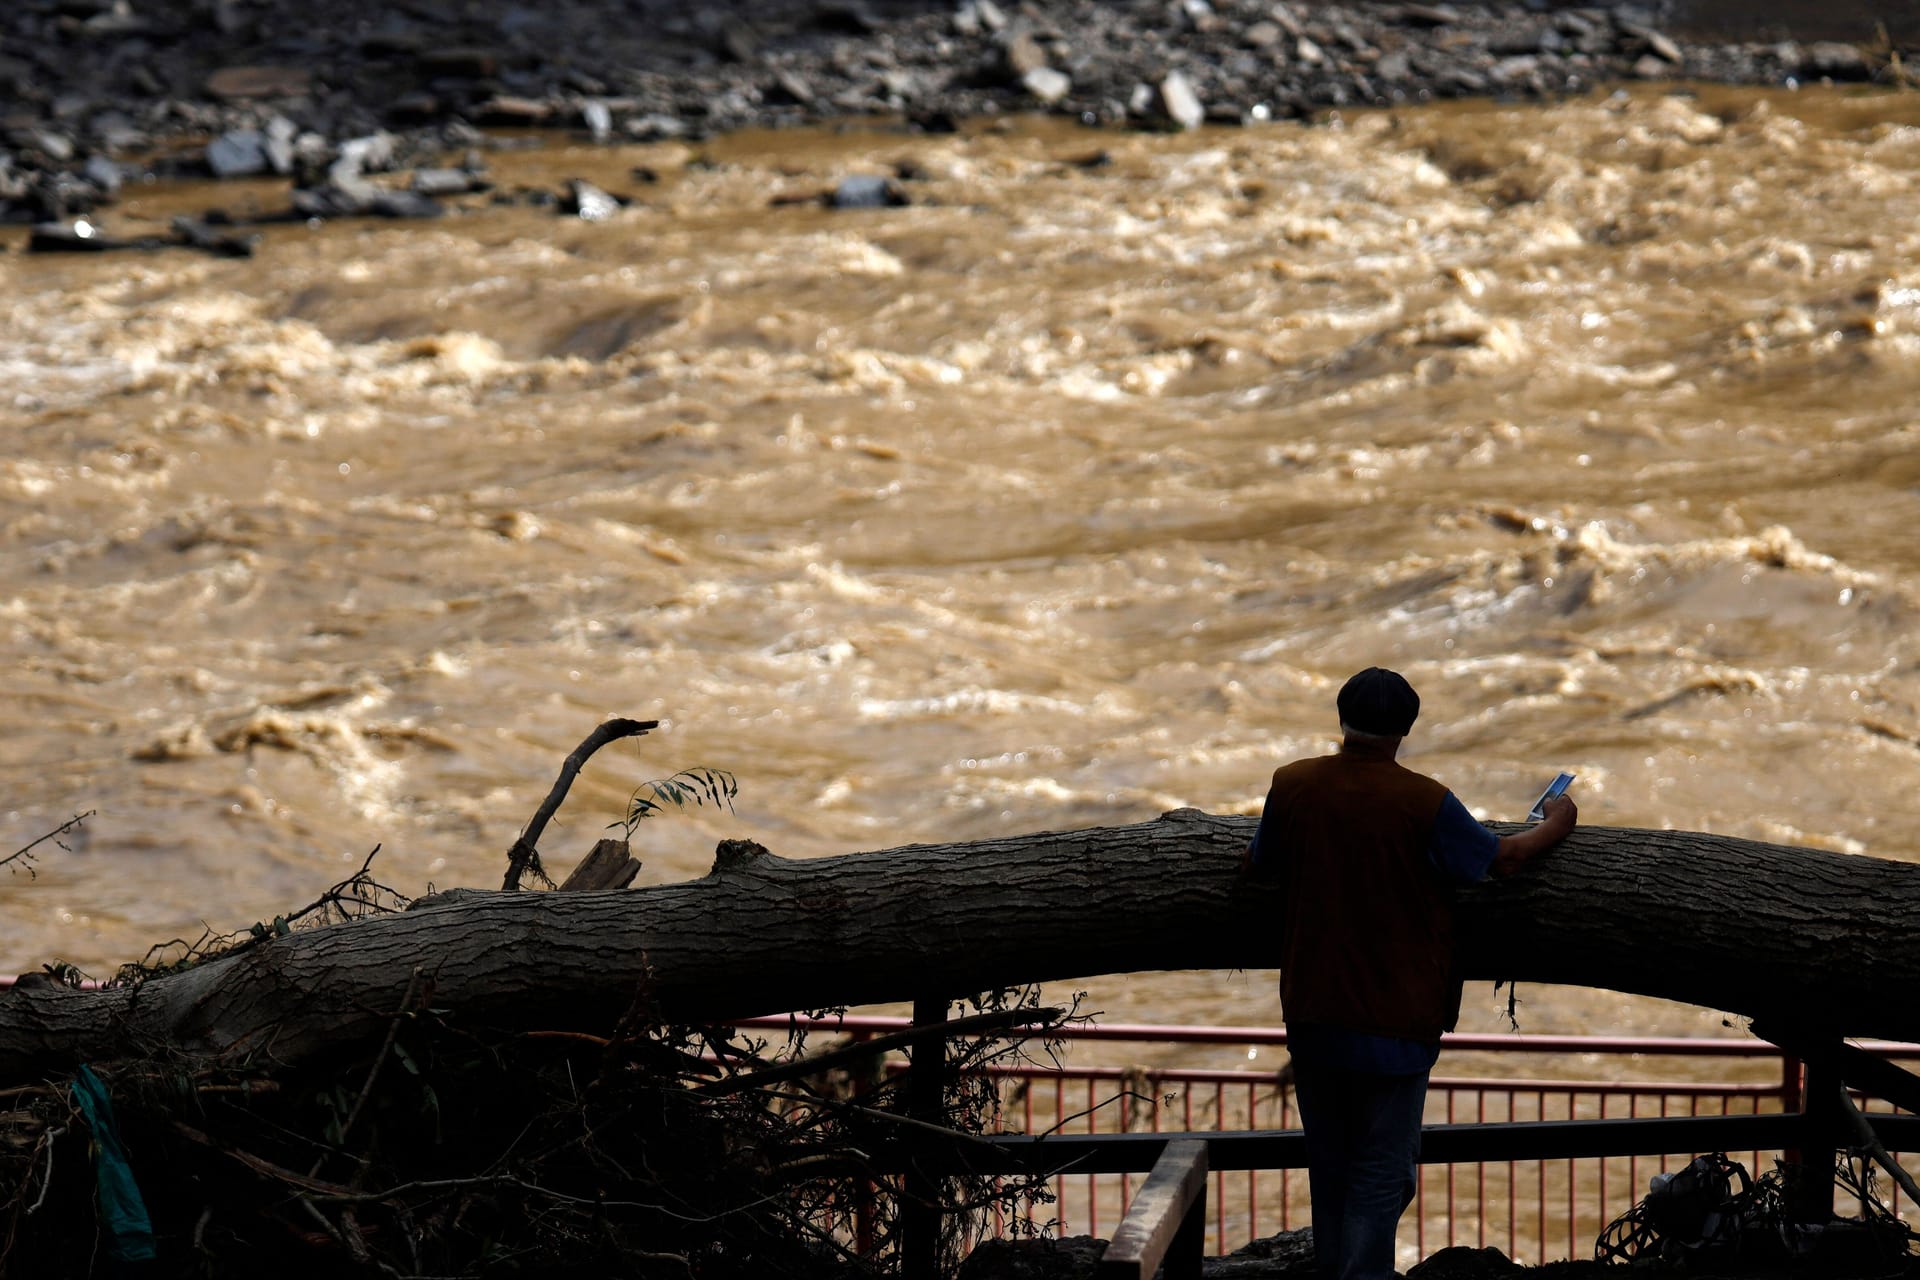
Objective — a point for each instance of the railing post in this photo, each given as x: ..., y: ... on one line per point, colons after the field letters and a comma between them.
x: 863, y: 1195
x: 1822, y: 1113
x: 926, y: 1100
x: 1793, y: 1101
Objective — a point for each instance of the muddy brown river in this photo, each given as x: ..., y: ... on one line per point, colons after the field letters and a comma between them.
x: 1064, y: 496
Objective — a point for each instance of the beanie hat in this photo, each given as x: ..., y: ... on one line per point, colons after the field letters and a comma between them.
x: 1379, y: 702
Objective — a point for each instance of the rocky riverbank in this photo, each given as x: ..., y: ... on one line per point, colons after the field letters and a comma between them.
x: 98, y: 93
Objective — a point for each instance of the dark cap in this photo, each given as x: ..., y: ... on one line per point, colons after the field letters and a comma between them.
x: 1380, y: 702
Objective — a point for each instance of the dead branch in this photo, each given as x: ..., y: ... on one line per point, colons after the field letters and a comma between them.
x: 524, y: 855
x: 978, y: 1024
x: 25, y: 855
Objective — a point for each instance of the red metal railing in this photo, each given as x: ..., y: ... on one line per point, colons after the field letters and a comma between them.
x: 1533, y: 1210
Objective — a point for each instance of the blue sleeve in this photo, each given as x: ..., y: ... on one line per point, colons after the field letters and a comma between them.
x: 1462, y: 850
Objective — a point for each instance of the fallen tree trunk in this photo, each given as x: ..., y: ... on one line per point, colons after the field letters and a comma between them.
x: 1805, y: 937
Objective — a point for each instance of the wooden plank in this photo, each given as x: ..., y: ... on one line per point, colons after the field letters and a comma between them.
x: 1174, y: 1195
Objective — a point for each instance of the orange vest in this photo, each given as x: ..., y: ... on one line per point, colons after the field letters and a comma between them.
x: 1367, y: 927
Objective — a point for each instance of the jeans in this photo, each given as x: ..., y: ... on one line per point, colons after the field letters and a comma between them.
x: 1363, y: 1153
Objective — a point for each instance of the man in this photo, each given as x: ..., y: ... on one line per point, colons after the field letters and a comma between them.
x: 1364, y: 850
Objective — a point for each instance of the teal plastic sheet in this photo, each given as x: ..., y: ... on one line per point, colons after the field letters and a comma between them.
x: 129, y: 1230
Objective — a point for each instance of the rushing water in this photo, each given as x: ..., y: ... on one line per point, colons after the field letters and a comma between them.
x: 1063, y: 497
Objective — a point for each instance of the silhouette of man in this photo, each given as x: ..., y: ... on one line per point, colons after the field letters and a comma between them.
x: 1365, y: 851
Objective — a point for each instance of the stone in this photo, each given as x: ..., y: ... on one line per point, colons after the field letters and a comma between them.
x: 56, y: 196
x: 197, y: 234
x: 1262, y: 35
x: 1199, y: 14
x: 116, y: 131
x: 373, y: 153
x: 330, y: 201
x: 228, y: 18
x: 448, y: 182
x: 1648, y: 67
x: 236, y: 84
x: 655, y: 128
x: 118, y: 20
x: 1512, y: 42
x: 507, y: 109
x: 355, y: 197
x: 280, y: 135
x: 598, y: 119
x: 739, y: 40
x: 1047, y: 85
x: 77, y: 236
x: 1429, y: 15
x: 1308, y: 53
x: 414, y: 106
x: 1840, y: 61
x: 866, y: 191
x: 1514, y: 70
x: 1662, y: 46
x: 465, y: 62
x: 1393, y: 66
x: 54, y: 147
x: 238, y: 153
x: 991, y: 16
x: 846, y: 15
x: 791, y: 86
x: 104, y: 174
x: 588, y: 202
x: 386, y: 203
x: 1180, y: 103
x: 1353, y: 40
x: 392, y: 42
x: 1023, y: 54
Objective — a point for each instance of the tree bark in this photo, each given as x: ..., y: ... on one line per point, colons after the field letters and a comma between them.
x: 1809, y: 938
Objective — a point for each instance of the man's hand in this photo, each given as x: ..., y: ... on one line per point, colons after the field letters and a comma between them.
x: 1554, y: 810
x: 1516, y: 850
